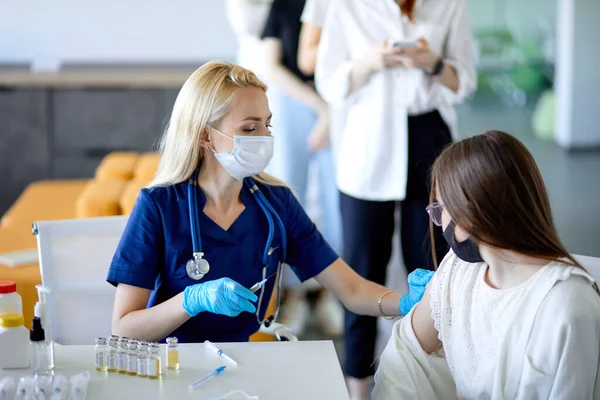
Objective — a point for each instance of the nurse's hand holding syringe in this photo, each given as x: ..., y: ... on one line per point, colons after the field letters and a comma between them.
x: 222, y: 296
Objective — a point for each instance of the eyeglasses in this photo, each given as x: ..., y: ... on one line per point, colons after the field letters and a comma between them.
x: 435, y: 212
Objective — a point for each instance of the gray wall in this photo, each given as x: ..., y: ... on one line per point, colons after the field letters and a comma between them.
x: 64, y: 133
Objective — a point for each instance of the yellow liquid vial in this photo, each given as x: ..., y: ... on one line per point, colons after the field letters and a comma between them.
x: 173, y: 359
x: 142, y: 367
x: 122, y: 363
x: 154, y: 367
x: 103, y: 369
x: 111, y: 361
x: 131, y: 365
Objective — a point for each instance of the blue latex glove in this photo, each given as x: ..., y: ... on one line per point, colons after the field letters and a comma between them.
x: 223, y: 296
x: 417, y: 282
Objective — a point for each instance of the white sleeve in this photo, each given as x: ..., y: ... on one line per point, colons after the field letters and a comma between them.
x: 564, y: 364
x: 441, y: 312
x: 315, y: 11
x: 333, y: 67
x: 405, y: 371
x: 459, y: 52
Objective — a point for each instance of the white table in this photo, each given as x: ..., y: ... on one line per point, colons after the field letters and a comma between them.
x: 269, y: 370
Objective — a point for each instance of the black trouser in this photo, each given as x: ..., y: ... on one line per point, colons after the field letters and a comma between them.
x: 369, y: 228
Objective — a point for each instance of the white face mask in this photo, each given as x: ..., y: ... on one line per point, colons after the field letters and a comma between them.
x: 225, y: 396
x: 250, y: 155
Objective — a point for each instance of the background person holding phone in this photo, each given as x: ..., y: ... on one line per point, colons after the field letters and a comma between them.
x: 301, y: 124
x: 247, y: 19
x: 399, y: 101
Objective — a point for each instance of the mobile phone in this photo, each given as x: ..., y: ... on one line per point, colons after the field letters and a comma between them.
x: 399, y: 44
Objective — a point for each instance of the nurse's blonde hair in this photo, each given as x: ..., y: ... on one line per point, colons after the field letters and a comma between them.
x: 204, y: 99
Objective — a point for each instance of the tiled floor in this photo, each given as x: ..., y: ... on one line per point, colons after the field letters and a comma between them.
x: 572, y: 180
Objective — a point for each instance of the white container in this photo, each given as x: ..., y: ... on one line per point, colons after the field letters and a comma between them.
x: 14, y: 342
x: 10, y: 301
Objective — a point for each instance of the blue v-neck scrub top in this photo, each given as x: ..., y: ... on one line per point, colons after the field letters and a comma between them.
x: 157, y: 244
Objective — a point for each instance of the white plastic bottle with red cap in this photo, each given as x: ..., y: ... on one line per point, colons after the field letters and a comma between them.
x: 10, y: 301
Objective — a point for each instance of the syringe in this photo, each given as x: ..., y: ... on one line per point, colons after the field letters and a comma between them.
x: 260, y: 284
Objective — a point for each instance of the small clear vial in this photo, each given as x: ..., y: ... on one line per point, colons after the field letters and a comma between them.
x: 132, y: 357
x: 101, y: 354
x: 172, y: 354
x: 154, y: 361
x: 142, y: 367
x: 112, y: 354
x: 122, y: 354
x: 39, y: 349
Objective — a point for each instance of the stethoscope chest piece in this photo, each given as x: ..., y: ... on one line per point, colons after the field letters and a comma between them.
x: 197, y: 267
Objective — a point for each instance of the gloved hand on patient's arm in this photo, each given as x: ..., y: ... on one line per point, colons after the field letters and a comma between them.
x: 417, y: 282
x: 222, y: 296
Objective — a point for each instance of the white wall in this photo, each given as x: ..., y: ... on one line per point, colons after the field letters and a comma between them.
x: 170, y: 31
x: 577, y: 77
x: 115, y: 31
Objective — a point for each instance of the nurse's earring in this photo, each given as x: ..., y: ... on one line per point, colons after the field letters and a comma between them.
x: 197, y: 267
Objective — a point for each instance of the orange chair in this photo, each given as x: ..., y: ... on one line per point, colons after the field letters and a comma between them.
x: 117, y: 166
x: 130, y: 194
x: 146, y: 167
x: 100, y: 199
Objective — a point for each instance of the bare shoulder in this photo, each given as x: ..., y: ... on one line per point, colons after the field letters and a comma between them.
x: 452, y: 281
x: 424, y: 325
x: 423, y: 322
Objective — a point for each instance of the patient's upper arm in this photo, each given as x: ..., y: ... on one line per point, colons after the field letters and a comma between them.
x: 423, y: 324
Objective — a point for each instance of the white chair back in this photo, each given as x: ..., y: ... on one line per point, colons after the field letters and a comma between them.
x: 74, y: 257
x: 591, y: 264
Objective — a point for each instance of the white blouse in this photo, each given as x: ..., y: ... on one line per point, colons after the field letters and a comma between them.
x: 315, y: 11
x: 372, y: 154
x: 247, y: 19
x: 539, y: 340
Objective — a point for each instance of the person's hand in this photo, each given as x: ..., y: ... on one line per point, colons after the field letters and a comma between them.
x: 417, y: 282
x: 420, y: 57
x: 380, y: 57
x: 222, y: 296
x: 319, y: 137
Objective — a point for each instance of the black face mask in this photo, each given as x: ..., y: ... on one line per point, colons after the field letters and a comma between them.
x: 466, y: 250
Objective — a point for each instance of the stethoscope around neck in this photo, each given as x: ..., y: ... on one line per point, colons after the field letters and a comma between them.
x: 198, y: 267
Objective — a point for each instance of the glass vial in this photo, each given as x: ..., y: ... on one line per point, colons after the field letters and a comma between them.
x: 100, y: 354
x: 122, y: 354
x: 154, y: 361
x: 132, y: 357
x: 112, y: 354
x: 142, y: 365
x: 172, y: 354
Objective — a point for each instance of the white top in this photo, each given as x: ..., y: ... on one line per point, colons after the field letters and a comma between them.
x: 405, y: 371
x: 549, y: 325
x: 247, y: 19
x: 315, y: 11
x: 372, y: 159
x: 268, y: 370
